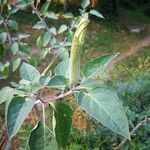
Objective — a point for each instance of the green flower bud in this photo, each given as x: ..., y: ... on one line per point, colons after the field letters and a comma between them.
x: 75, y: 55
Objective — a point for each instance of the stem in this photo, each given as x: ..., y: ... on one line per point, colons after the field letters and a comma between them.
x: 62, y: 95
x: 8, y: 33
x: 38, y: 14
x: 132, y: 132
x: 44, y: 124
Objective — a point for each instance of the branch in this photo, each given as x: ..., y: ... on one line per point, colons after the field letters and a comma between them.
x: 132, y: 132
x: 8, y: 33
x: 57, y: 97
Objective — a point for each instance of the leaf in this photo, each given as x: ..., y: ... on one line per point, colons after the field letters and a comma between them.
x: 23, y: 47
x: 18, y: 110
x: 6, y: 94
x: 13, y: 25
x: 41, y: 138
x: 16, y: 64
x: 53, y: 30
x: 85, y: 3
x: 3, y: 37
x: 63, y: 53
x: 4, y: 70
x: 96, y: 13
x: 45, y: 6
x: 103, y: 105
x: 39, y: 25
x: 29, y: 73
x: 23, y: 36
x: 43, y: 40
x: 52, y: 15
x: 15, y: 48
x: 97, y: 66
x: 63, y: 118
x: 62, y: 28
x: 58, y: 82
x: 62, y: 68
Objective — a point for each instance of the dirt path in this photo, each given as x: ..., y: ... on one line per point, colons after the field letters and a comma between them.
x: 135, y: 47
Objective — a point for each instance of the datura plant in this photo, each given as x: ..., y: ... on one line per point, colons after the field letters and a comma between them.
x: 66, y: 79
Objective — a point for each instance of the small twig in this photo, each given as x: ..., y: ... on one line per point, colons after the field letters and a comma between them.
x: 49, y: 66
x: 39, y: 16
x: 8, y: 33
x: 132, y: 132
x: 52, y: 99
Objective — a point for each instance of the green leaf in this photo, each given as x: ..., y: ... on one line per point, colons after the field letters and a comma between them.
x: 39, y: 25
x: 52, y: 15
x: 63, y: 53
x: 45, y: 6
x: 23, y: 47
x: 15, y: 48
x: 18, y: 110
x: 96, y: 13
x: 97, y: 66
x: 4, y: 70
x: 6, y: 94
x: 41, y: 138
x: 62, y: 28
x: 63, y: 119
x: 29, y: 73
x: 23, y: 36
x: 62, y: 68
x: 16, y: 64
x: 43, y: 40
x: 103, y: 105
x: 58, y: 82
x: 53, y: 30
x: 3, y: 37
x: 13, y: 24
x: 85, y: 3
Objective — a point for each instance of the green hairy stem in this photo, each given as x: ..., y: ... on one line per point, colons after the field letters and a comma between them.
x: 76, y: 48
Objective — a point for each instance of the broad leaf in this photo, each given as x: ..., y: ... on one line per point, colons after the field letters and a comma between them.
x: 63, y: 53
x: 58, y: 82
x: 97, y: 66
x: 16, y: 64
x: 53, y: 30
x: 63, y: 120
x: 85, y: 3
x: 3, y: 37
x: 62, y: 28
x: 6, y: 94
x: 41, y: 138
x: 51, y: 15
x: 62, y: 68
x: 103, y: 105
x: 23, y: 36
x: 96, y: 13
x: 15, y: 48
x: 45, y: 6
x: 18, y: 110
x: 13, y: 24
x: 43, y: 40
x: 24, y: 47
x: 39, y: 25
x: 4, y: 70
x: 29, y: 73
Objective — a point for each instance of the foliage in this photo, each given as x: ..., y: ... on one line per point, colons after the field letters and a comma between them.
x: 66, y: 79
